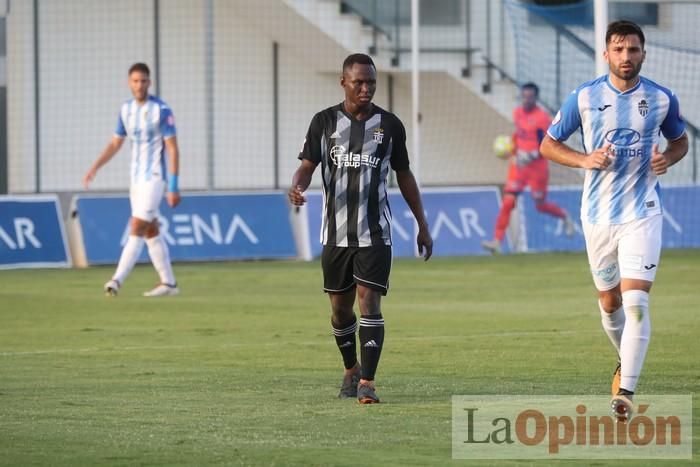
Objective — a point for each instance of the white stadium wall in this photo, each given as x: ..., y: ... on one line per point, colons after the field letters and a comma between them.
x: 82, y: 84
x: 182, y: 66
x: 86, y: 48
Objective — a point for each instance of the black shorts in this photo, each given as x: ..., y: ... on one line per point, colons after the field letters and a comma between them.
x: 344, y: 267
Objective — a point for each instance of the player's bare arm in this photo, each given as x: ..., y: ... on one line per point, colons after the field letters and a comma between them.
x: 560, y: 153
x: 173, y: 194
x: 107, y: 153
x: 409, y: 191
x: 300, y: 182
x: 676, y: 150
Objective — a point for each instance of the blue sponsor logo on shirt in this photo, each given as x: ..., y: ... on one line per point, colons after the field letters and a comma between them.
x: 622, y: 137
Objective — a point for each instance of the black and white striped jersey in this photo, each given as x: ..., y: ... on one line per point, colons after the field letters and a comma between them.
x: 355, y: 157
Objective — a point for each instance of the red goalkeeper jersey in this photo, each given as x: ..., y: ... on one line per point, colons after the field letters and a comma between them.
x: 530, y: 128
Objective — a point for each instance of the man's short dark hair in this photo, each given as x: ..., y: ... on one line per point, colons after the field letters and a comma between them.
x: 531, y: 85
x: 624, y: 28
x: 360, y: 59
x: 140, y: 67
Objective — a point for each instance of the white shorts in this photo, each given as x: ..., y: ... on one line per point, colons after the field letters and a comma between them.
x: 145, y: 198
x: 627, y: 251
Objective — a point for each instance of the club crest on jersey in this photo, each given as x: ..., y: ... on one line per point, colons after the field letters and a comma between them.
x: 643, y: 108
x: 378, y: 135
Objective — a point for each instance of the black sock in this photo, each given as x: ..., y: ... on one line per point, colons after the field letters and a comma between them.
x: 345, y: 338
x: 371, y: 340
x: 624, y: 392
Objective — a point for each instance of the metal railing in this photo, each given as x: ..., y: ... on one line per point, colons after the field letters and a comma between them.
x: 386, y: 18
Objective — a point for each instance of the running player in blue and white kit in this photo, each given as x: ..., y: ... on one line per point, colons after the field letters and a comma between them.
x: 149, y: 123
x: 621, y: 116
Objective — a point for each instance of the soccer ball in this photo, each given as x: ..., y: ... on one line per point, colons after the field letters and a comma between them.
x: 503, y: 146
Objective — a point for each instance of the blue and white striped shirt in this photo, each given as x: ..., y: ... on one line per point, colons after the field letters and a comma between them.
x: 631, y: 122
x: 147, y: 125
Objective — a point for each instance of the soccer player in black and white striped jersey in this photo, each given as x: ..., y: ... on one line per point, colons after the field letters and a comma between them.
x: 356, y: 142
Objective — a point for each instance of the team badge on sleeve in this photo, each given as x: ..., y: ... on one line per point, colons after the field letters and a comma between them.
x: 170, y: 120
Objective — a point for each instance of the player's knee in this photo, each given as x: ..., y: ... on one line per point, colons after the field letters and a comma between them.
x: 370, y: 301
x: 342, y: 306
x: 152, y: 229
x: 341, y: 313
x: 139, y: 227
x: 610, y: 300
x: 540, y: 205
x: 509, y: 201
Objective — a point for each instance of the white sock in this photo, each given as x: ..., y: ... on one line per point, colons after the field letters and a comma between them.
x: 635, y: 337
x: 613, y: 324
x: 130, y: 254
x: 160, y: 257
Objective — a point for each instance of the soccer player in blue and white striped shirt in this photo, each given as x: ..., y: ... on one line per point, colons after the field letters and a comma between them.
x: 621, y: 116
x: 150, y: 125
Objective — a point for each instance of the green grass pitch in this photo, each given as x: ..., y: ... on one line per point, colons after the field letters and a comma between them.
x: 241, y: 369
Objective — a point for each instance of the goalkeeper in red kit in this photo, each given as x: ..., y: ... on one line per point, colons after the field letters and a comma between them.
x: 527, y: 167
